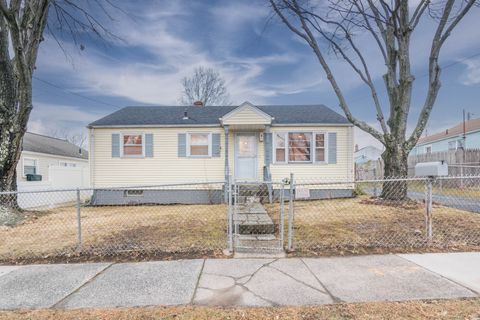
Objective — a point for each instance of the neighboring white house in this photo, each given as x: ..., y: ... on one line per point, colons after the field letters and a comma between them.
x: 366, y: 154
x: 49, y: 163
x: 461, y: 136
x: 147, y: 146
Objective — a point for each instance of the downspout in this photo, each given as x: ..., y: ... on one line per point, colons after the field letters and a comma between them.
x: 91, y: 158
x: 266, y: 172
x: 227, y: 168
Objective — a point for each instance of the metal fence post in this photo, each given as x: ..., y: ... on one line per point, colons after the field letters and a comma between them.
x: 282, y: 214
x: 79, y: 221
x: 230, y: 215
x: 375, y: 183
x: 290, y: 214
x: 428, y: 209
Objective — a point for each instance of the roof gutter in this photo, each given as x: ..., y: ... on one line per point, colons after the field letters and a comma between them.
x: 216, y: 125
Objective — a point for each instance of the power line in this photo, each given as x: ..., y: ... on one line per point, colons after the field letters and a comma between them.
x: 74, y: 93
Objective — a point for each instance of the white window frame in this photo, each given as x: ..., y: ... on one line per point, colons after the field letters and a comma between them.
x: 426, y: 147
x: 37, y: 167
x: 209, y: 145
x: 458, y: 143
x: 455, y: 145
x: 122, y: 144
x: 313, y: 143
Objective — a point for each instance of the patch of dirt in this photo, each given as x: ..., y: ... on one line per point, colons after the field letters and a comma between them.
x: 466, y: 309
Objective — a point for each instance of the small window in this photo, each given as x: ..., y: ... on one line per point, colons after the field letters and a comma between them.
x: 452, y: 145
x: 460, y: 144
x: 133, y: 193
x: 299, y: 147
x: 199, y: 144
x: 280, y: 148
x: 29, y: 166
x: 67, y: 164
x: 319, y: 147
x: 132, y: 145
x: 428, y: 149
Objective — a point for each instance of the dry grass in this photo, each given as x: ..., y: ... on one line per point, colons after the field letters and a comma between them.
x: 433, y: 309
x: 364, y: 225
x: 168, y: 228
x: 322, y: 227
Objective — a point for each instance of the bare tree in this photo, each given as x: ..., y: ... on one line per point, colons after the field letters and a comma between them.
x: 22, y: 25
x: 205, y: 85
x: 390, y: 24
x: 78, y: 139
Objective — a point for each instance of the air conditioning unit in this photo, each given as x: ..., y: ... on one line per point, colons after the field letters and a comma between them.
x: 34, y: 177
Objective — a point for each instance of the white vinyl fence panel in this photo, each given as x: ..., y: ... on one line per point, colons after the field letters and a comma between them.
x: 59, y: 178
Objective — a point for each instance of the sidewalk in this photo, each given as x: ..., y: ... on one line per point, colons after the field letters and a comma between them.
x: 242, y: 282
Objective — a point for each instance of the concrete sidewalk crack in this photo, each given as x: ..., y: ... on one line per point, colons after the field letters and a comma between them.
x: 299, y: 281
x: 332, y: 296
x: 56, y: 304
x: 197, y: 283
x: 260, y: 268
x: 440, y: 275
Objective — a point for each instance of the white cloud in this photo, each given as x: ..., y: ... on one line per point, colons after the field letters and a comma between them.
x: 471, y: 75
x: 49, y: 118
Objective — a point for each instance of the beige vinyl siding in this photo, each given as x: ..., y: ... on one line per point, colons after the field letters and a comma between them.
x: 44, y: 161
x: 165, y: 167
x: 342, y: 170
x: 246, y: 116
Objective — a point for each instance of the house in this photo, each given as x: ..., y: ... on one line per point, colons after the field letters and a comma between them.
x: 461, y: 136
x: 148, y: 146
x: 366, y: 154
x: 46, y: 161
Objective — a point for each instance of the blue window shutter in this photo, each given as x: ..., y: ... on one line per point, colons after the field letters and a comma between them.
x: 148, y: 145
x: 182, y: 144
x: 216, y: 145
x: 115, y: 145
x: 332, y: 147
x: 268, y: 147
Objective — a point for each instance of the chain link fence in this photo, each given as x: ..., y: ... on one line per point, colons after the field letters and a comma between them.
x: 389, y: 215
x: 163, y: 221
x: 306, y: 217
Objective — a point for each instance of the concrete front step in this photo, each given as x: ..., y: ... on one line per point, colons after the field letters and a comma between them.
x: 248, y: 223
x: 258, y: 244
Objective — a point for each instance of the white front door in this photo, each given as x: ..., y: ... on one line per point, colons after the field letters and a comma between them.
x: 245, y: 156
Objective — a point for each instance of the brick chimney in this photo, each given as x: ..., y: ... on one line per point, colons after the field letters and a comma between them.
x: 198, y: 104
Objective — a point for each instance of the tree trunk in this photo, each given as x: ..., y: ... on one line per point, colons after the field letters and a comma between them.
x: 395, y: 161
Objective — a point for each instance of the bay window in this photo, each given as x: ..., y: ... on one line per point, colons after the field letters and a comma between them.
x: 300, y: 147
x: 199, y: 144
x: 132, y: 145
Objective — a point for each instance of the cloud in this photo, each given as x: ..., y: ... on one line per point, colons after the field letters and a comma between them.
x: 49, y: 118
x: 471, y: 75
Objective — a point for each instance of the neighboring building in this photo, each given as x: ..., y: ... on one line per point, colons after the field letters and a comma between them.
x: 451, y: 139
x: 366, y: 154
x: 40, y: 153
x: 146, y: 146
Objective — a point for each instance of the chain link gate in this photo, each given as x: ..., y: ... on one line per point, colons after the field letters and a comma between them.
x: 256, y: 217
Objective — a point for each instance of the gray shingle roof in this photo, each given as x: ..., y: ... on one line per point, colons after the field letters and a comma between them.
x: 43, y: 144
x: 173, y: 115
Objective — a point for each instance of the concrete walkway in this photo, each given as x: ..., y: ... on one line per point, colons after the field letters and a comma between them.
x: 244, y: 282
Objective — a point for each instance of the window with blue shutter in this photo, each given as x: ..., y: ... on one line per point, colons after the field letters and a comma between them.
x: 115, y: 145
x: 216, y: 145
x: 182, y: 144
x: 332, y: 147
x: 148, y: 145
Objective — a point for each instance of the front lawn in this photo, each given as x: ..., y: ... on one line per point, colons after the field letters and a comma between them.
x: 322, y: 227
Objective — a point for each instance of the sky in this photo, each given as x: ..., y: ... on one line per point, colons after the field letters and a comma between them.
x: 160, y: 42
